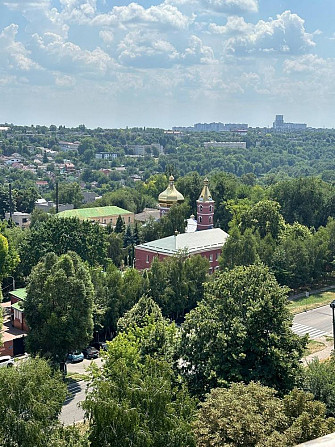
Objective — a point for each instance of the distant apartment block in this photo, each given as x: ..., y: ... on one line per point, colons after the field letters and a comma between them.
x: 66, y: 146
x: 147, y: 149
x: 230, y: 144
x: 105, y: 156
x: 280, y: 126
x: 214, y: 127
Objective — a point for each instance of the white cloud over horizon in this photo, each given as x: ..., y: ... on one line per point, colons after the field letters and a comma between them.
x: 188, y: 58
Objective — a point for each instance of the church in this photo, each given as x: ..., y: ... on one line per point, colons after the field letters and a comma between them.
x: 199, y: 238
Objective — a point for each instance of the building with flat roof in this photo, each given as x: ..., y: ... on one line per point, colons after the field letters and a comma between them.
x: 101, y: 214
x: 280, y: 126
x: 206, y: 243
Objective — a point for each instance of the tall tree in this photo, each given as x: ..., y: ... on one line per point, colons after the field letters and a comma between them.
x: 60, y: 235
x: 133, y: 401
x: 58, y: 307
x: 241, y: 331
x: 253, y: 415
x: 32, y: 395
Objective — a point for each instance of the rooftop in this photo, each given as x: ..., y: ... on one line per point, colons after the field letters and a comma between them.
x: 21, y: 294
x: 99, y: 211
x: 192, y: 242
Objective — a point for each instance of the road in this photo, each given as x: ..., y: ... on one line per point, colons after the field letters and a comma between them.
x: 71, y: 412
x: 315, y: 322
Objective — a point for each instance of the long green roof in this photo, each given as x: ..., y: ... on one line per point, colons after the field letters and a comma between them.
x: 21, y: 294
x: 99, y: 211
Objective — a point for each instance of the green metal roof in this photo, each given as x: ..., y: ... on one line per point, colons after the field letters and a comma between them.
x: 99, y: 211
x: 18, y: 306
x: 21, y: 294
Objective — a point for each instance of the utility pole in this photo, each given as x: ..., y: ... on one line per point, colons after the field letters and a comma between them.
x: 57, y: 199
x: 10, y: 202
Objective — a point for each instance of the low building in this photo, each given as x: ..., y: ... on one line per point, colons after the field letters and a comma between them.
x: 66, y: 146
x: 48, y: 205
x: 102, y: 214
x: 207, y: 243
x: 147, y: 214
x: 229, y: 144
x: 22, y: 220
x: 105, y: 156
x: 17, y: 299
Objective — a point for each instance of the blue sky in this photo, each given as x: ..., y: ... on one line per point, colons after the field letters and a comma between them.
x: 166, y: 63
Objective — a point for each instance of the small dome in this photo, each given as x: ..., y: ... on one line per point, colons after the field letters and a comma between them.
x: 170, y: 195
x: 205, y: 195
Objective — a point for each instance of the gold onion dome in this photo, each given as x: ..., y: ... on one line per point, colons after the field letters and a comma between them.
x: 171, y: 194
x: 205, y: 195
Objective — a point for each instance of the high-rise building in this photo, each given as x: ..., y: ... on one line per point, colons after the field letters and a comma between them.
x: 280, y: 126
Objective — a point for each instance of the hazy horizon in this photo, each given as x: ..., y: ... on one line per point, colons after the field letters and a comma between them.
x: 166, y: 63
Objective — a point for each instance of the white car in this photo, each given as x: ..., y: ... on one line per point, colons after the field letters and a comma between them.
x: 6, y: 361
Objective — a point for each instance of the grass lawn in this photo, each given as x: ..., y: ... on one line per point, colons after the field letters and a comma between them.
x: 313, y: 347
x: 313, y: 301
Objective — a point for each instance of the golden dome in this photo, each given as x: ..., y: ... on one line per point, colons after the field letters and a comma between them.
x: 205, y: 195
x: 170, y: 195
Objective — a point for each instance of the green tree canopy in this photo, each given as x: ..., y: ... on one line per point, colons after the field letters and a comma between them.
x: 58, y: 307
x: 133, y: 401
x: 241, y: 331
x: 32, y: 395
x: 253, y: 416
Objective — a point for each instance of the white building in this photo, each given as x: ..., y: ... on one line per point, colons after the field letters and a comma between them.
x: 230, y: 144
x: 22, y: 220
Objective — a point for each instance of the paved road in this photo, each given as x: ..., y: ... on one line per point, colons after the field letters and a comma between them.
x: 315, y: 322
x: 81, y: 367
x: 71, y: 412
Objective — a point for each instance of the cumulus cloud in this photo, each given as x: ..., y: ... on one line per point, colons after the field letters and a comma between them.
x: 163, y: 14
x: 231, y: 6
x: 305, y: 63
x: 58, y: 54
x: 219, y: 6
x: 13, y: 54
x: 285, y: 34
x: 144, y: 50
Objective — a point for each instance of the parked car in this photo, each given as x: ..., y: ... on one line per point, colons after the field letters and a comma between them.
x: 100, y: 345
x: 6, y: 361
x: 75, y: 357
x: 90, y: 353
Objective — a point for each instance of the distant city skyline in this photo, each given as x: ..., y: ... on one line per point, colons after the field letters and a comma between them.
x: 165, y: 63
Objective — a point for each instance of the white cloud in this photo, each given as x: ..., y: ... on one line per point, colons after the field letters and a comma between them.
x: 231, y: 6
x: 163, y: 14
x: 146, y: 50
x: 219, y: 6
x: 13, y: 54
x: 285, y: 34
x: 306, y: 63
x: 57, y: 54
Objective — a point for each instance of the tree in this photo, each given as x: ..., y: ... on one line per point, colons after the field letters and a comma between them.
x: 61, y: 235
x: 176, y: 283
x: 174, y: 220
x: 115, y: 248
x: 241, y: 331
x: 70, y: 193
x: 239, y: 249
x: 32, y: 395
x: 264, y: 217
x: 58, y: 307
x: 319, y: 379
x: 133, y: 402
x: 119, y: 226
x: 252, y: 416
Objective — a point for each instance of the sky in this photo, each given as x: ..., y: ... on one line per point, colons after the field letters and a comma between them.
x: 156, y: 63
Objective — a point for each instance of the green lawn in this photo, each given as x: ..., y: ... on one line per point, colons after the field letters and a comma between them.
x: 313, y: 301
x: 313, y: 347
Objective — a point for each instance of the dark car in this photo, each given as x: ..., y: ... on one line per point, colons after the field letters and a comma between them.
x: 90, y: 352
x: 100, y: 345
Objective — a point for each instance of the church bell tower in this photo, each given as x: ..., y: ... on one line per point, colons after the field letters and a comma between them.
x: 205, y: 209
